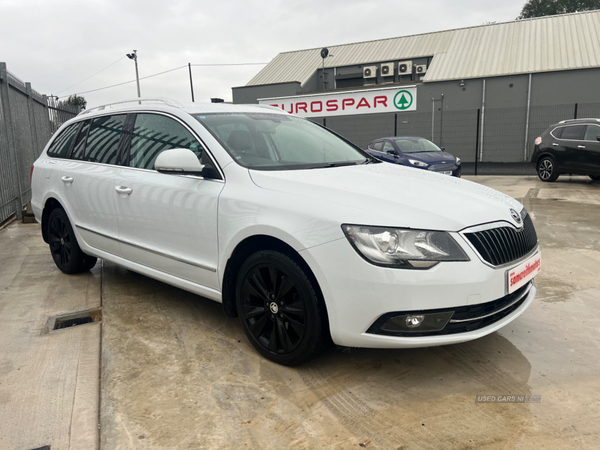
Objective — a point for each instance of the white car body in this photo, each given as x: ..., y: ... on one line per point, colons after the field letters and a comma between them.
x: 182, y: 230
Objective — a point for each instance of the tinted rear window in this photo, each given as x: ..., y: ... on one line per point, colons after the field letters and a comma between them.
x: 575, y: 132
x: 79, y: 149
x: 103, y: 140
x: 62, y: 143
x: 557, y: 132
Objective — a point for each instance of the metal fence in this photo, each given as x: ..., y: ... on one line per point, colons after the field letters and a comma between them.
x: 504, y: 136
x: 27, y: 121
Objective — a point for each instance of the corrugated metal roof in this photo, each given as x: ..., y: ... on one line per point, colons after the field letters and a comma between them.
x: 563, y: 42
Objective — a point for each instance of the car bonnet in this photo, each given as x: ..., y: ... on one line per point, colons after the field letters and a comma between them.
x: 389, y: 195
x: 431, y: 157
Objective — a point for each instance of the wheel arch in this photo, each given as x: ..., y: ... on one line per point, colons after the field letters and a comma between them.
x: 543, y: 155
x: 251, y: 245
x: 50, y: 204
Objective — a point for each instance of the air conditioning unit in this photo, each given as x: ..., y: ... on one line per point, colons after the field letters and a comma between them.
x: 370, y: 72
x: 420, y: 70
x: 387, y: 70
x: 405, y: 67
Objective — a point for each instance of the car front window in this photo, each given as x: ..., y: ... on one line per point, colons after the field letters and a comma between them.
x: 278, y: 142
x: 416, y: 146
x: 592, y: 133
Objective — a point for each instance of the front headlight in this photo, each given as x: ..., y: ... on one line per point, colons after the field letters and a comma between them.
x: 403, y: 248
x: 414, y: 162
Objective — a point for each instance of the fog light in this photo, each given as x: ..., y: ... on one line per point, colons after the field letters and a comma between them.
x: 414, y: 321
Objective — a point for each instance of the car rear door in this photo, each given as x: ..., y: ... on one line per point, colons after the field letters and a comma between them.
x: 571, y: 141
x: 86, y: 182
x: 167, y: 222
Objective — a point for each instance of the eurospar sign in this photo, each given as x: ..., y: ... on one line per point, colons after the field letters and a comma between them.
x: 348, y: 103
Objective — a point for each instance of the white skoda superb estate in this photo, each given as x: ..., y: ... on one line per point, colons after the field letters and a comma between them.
x: 294, y: 229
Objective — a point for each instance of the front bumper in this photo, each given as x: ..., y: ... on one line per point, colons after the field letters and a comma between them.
x: 357, y: 294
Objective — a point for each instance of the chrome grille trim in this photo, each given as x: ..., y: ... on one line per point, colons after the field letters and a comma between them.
x: 517, y: 300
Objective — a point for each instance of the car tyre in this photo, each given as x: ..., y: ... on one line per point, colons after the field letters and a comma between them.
x: 279, y: 308
x: 65, y: 250
x: 546, y: 169
x: 595, y: 177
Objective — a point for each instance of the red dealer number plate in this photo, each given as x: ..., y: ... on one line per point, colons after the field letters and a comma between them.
x: 523, y: 273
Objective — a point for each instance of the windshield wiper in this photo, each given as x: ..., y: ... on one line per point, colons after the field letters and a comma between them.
x: 336, y: 164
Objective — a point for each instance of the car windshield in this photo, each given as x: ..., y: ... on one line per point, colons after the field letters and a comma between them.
x: 278, y: 142
x: 416, y: 145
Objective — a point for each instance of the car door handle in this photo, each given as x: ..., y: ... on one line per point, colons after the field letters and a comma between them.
x: 555, y: 144
x: 66, y: 179
x: 581, y: 146
x: 123, y: 190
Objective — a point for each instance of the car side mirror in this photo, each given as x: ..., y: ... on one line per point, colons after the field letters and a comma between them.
x: 178, y: 161
x: 443, y: 149
x: 598, y: 138
x: 390, y: 152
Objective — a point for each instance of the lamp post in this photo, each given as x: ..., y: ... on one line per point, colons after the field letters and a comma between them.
x: 137, y: 75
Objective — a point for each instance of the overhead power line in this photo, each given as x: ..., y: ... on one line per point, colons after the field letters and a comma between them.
x: 127, y: 82
x: 156, y: 74
x: 237, y: 64
x: 77, y: 84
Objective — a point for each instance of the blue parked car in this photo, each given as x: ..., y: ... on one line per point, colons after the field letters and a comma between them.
x: 417, y: 152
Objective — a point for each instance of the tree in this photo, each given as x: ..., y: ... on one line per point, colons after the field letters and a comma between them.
x: 76, y: 100
x: 539, y: 8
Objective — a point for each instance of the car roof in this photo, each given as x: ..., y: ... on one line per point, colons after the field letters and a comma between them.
x: 578, y: 121
x: 400, y: 137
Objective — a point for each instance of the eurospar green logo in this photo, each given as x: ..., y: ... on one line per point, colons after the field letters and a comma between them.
x: 403, y: 100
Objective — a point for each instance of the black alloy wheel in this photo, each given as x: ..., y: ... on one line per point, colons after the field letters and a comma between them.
x: 279, y: 308
x: 547, y: 170
x: 64, y: 248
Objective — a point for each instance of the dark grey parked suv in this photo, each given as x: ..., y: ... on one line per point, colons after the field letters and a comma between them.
x: 570, y: 146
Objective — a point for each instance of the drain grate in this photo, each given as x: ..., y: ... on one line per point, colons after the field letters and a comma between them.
x: 73, y: 319
x: 59, y: 324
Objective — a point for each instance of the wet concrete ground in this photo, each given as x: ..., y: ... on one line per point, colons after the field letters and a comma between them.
x: 176, y: 373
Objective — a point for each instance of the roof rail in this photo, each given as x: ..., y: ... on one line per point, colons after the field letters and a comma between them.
x: 164, y: 100
x: 590, y: 119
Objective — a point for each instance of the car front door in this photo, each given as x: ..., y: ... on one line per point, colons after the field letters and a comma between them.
x: 167, y: 222
x: 389, y: 152
x: 86, y: 182
x: 590, y: 155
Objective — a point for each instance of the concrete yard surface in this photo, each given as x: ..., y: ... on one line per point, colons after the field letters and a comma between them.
x: 49, y: 381
x: 176, y: 373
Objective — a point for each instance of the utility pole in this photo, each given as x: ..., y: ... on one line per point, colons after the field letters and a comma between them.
x: 137, y: 75
x: 191, y: 82
x: 324, y: 54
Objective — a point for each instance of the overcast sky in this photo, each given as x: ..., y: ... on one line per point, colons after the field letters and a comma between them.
x: 55, y: 44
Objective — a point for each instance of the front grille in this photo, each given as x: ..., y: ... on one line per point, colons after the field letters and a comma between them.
x: 499, y: 246
x: 465, y: 318
x: 442, y: 167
